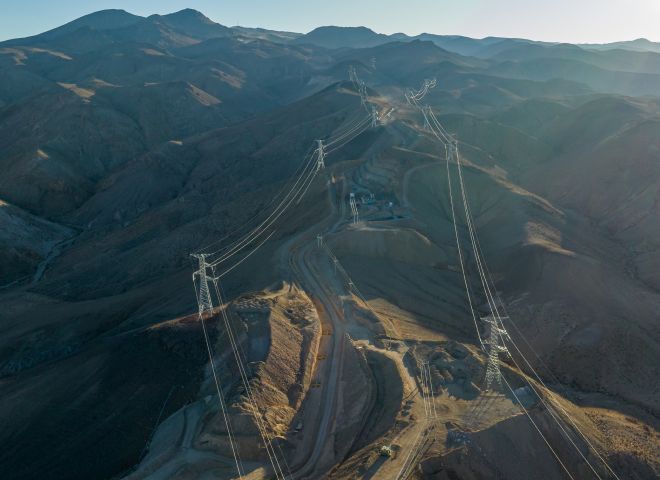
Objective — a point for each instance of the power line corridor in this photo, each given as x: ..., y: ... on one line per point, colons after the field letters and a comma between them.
x: 491, y: 327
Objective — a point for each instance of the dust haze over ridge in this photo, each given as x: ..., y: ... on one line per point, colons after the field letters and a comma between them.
x: 426, y: 256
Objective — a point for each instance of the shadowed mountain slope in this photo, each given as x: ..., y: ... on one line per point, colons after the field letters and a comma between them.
x: 141, y: 226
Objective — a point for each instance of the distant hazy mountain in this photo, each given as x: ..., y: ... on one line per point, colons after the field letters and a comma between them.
x: 641, y: 44
x: 193, y: 23
x: 101, y: 20
x: 265, y: 34
x: 176, y: 29
x: 338, y: 37
x: 360, y: 37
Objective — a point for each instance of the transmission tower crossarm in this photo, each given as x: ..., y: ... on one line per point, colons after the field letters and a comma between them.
x: 374, y: 117
x: 320, y: 155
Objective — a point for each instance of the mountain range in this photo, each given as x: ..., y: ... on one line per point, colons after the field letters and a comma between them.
x: 129, y: 142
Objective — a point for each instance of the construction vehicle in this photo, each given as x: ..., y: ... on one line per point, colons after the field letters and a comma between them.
x: 386, y: 451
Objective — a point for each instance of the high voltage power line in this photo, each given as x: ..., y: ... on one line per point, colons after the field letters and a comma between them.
x: 497, y: 336
x: 494, y: 342
x: 207, y: 262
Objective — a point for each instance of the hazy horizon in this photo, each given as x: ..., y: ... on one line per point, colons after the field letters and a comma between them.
x: 588, y: 22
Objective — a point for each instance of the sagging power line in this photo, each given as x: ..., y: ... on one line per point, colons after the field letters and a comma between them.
x: 496, y: 338
x: 246, y: 245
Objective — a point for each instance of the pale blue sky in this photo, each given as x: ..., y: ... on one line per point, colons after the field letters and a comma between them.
x: 557, y: 20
